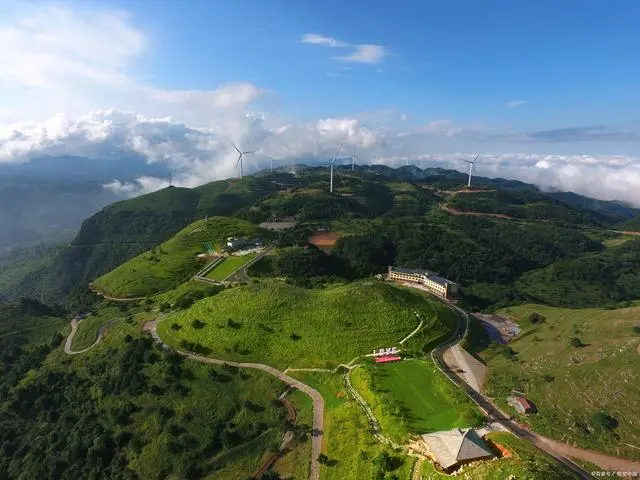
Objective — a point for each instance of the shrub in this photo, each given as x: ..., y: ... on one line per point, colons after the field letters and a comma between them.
x: 603, y: 420
x: 636, y: 329
x: 576, y: 342
x: 198, y: 324
x: 548, y: 378
x: 175, y: 327
x: 535, y: 317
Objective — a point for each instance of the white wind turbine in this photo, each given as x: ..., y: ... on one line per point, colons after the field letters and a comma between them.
x: 333, y: 160
x: 240, y: 155
x: 472, y: 168
x: 354, y: 157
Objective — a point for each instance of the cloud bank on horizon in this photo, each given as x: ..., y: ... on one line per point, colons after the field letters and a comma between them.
x: 72, y: 71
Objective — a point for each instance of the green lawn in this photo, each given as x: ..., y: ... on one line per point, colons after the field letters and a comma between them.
x: 288, y: 326
x: 413, y: 397
x: 569, y: 384
x: 527, y: 462
x: 229, y: 265
x: 175, y: 261
x: 348, y: 440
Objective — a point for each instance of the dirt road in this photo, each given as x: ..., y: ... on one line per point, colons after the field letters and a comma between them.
x: 318, y: 401
x: 69, y: 341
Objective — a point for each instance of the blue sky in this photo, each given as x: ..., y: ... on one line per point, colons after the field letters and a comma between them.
x: 571, y: 62
x: 546, y: 91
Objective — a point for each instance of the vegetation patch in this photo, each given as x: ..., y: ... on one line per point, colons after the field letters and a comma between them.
x: 175, y: 261
x: 585, y: 394
x: 413, y: 397
x: 229, y: 265
x: 284, y: 325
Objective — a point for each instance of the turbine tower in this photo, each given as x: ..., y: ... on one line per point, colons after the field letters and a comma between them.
x: 240, y: 155
x: 333, y: 160
x: 354, y: 157
x: 472, y: 169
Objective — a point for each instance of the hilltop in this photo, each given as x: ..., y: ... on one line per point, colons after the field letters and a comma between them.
x: 388, y: 210
x: 175, y: 261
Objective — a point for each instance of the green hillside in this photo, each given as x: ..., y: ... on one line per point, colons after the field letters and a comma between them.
x: 602, y: 279
x: 175, y: 261
x: 287, y: 326
x: 127, y: 409
x: 569, y: 384
x: 530, y: 205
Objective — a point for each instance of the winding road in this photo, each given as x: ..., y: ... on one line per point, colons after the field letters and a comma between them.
x: 560, y: 451
x: 69, y: 341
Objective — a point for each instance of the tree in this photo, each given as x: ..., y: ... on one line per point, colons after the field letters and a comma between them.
x: 198, y: 324
x: 636, y: 329
x: 535, y: 317
x: 322, y: 458
x: 603, y: 420
x: 576, y: 342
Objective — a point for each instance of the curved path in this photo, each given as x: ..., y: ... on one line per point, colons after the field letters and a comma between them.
x: 69, y: 341
x: 318, y: 401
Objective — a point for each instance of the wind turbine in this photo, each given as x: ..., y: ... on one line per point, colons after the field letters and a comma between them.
x: 354, y: 156
x: 472, y: 169
x: 240, y: 155
x: 333, y: 160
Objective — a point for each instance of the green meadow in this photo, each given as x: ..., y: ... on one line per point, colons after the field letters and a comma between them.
x: 413, y: 397
x: 288, y: 326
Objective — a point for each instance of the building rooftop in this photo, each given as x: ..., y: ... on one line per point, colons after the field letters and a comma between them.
x: 430, y: 275
x: 458, y: 445
x: 411, y: 271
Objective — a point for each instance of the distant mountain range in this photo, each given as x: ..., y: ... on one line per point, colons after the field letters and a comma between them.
x: 46, y: 199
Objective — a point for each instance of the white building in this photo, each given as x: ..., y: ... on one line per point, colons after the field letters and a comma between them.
x: 434, y: 282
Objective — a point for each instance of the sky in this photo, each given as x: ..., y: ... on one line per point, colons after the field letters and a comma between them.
x: 545, y: 91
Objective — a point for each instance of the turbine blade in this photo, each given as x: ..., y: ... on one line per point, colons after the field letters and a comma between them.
x: 476, y: 159
x: 239, y: 158
x: 250, y: 151
x: 234, y: 146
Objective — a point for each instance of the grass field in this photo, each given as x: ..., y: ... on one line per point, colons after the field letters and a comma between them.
x: 175, y: 261
x: 413, y: 397
x: 348, y: 440
x: 525, y: 463
x: 287, y: 326
x: 229, y: 265
x: 569, y: 384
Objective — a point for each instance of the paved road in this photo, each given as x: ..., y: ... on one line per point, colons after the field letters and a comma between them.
x: 69, y: 341
x: 318, y: 401
x: 492, y: 411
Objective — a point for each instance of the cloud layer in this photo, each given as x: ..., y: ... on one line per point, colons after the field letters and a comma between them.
x: 83, y: 62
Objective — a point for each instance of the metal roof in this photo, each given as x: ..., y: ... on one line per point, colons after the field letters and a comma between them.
x: 457, y: 445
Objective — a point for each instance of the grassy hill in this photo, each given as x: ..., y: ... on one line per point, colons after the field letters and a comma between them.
x: 127, y: 228
x: 287, y: 326
x: 570, y: 384
x: 174, y: 261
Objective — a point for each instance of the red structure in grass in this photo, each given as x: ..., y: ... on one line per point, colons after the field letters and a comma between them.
x: 387, y: 358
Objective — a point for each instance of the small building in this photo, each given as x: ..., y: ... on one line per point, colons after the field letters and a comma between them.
x: 521, y: 404
x: 432, y: 281
x: 454, y: 448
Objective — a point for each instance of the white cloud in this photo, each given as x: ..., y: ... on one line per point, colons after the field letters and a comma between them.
x: 317, y: 39
x: 368, y: 54
x: 514, y: 103
x: 81, y: 60
x: 365, y: 53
